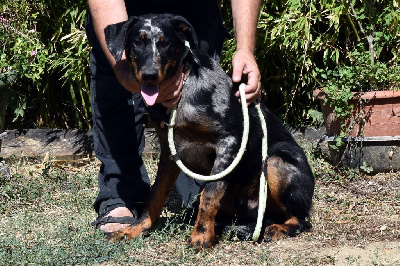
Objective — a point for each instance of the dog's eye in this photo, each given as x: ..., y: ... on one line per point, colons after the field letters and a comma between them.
x: 138, y: 43
x: 164, y: 44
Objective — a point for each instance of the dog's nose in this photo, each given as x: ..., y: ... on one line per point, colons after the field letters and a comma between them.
x: 150, y: 75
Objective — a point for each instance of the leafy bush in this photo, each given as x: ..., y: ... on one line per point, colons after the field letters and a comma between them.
x: 370, y: 61
x: 295, y: 40
x: 44, y: 42
x: 360, y: 76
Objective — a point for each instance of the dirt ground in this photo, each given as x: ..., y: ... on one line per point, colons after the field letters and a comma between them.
x: 354, y: 222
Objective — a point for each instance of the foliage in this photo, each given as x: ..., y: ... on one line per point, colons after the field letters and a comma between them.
x: 370, y: 61
x: 341, y: 84
x: 296, y: 39
x: 293, y: 37
x: 22, y: 51
x: 44, y: 42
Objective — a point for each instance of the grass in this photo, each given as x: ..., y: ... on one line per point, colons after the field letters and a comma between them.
x: 46, y: 210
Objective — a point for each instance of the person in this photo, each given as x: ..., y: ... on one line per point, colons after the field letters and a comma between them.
x: 118, y: 109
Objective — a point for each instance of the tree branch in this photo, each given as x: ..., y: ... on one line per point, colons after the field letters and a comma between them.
x: 369, y: 37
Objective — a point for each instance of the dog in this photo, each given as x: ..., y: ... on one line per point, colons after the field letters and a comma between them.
x: 208, y: 131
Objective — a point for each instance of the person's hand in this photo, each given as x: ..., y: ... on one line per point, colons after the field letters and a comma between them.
x: 244, y: 63
x: 170, y: 89
x: 125, y: 76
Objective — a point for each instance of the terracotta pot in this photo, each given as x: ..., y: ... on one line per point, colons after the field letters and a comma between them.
x: 382, y: 114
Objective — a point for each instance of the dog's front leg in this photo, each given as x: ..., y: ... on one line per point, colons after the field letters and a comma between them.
x: 203, y: 234
x: 167, y: 174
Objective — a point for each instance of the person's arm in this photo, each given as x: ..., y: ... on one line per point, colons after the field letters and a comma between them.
x: 106, y: 12
x: 245, y: 18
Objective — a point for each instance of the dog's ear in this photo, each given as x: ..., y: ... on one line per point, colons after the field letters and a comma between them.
x: 115, y: 35
x: 181, y: 25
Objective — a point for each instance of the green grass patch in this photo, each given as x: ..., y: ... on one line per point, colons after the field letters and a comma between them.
x: 46, y: 211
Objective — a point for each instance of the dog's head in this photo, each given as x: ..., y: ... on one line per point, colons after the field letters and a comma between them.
x: 154, y: 46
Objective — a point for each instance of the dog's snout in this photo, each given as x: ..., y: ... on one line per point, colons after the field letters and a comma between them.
x: 150, y: 75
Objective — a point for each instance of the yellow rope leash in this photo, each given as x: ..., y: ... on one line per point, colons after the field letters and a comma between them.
x: 262, y: 196
x: 235, y: 161
x: 245, y: 136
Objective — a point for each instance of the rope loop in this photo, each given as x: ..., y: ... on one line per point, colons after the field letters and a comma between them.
x: 263, y: 182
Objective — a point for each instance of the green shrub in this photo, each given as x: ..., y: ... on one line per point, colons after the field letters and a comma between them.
x: 298, y: 38
x: 295, y: 39
x: 370, y: 61
x: 44, y: 42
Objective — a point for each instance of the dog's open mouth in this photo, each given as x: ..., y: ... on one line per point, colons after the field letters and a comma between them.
x: 150, y: 93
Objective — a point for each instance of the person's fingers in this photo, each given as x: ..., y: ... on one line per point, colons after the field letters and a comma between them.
x: 170, y: 87
x: 244, y: 63
x: 250, y: 96
x: 172, y: 98
x: 237, y: 69
x: 253, y: 87
x: 171, y: 93
x: 170, y: 103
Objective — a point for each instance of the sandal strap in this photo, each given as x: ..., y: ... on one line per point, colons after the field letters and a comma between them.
x: 109, y: 219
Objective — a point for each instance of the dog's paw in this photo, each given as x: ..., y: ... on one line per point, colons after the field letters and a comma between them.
x: 127, y: 233
x: 275, y: 232
x: 201, y: 241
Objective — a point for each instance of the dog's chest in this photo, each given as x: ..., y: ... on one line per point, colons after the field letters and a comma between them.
x: 193, y: 124
x: 195, y: 138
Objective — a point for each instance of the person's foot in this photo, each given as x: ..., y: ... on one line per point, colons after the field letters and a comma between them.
x: 113, y: 227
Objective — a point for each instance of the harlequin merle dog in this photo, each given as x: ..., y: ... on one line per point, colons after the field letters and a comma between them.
x: 208, y: 131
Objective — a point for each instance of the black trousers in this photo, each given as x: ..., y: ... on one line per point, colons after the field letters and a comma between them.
x: 118, y: 116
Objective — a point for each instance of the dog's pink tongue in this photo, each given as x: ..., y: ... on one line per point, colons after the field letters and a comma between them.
x: 150, y: 93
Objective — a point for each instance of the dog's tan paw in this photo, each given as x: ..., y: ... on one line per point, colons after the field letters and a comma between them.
x: 201, y: 241
x: 275, y: 232
x: 127, y: 233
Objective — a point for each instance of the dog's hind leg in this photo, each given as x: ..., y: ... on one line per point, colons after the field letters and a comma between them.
x: 291, y: 227
x: 290, y: 190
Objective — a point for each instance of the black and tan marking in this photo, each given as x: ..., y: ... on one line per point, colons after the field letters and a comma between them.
x: 208, y: 131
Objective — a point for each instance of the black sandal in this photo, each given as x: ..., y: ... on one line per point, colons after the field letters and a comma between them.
x: 103, y: 219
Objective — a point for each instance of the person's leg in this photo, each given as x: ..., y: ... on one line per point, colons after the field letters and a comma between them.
x: 119, y: 142
x: 114, y: 182
x: 118, y: 139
